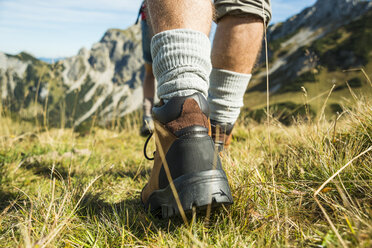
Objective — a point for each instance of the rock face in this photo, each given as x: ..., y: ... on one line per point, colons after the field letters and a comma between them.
x: 290, y: 41
x: 10, y: 69
x: 324, y: 14
x: 104, y: 81
x: 114, y: 68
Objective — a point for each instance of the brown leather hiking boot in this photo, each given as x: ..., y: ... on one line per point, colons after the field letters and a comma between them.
x: 224, y: 133
x: 185, y: 153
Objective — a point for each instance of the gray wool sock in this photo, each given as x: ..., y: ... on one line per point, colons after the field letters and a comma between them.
x: 226, y: 92
x: 181, y: 62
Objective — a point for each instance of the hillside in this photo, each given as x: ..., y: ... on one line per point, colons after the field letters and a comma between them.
x: 309, y: 55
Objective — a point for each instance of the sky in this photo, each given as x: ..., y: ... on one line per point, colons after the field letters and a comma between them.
x: 59, y: 28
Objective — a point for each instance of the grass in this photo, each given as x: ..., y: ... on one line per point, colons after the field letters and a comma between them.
x: 256, y: 100
x: 59, y: 188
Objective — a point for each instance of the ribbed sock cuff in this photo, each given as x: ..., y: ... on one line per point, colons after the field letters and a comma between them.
x: 181, y: 62
x: 226, y: 94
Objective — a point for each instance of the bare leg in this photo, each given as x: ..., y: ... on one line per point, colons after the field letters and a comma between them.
x: 177, y: 14
x: 236, y: 46
x: 148, y: 101
x: 180, y: 46
x: 149, y: 82
x: 148, y: 90
x: 237, y: 43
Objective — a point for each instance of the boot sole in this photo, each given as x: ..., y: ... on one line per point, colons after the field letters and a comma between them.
x: 194, y: 190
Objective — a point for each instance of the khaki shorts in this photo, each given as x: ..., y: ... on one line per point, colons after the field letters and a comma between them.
x: 261, y: 8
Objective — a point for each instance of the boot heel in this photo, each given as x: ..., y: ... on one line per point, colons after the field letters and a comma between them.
x: 194, y: 190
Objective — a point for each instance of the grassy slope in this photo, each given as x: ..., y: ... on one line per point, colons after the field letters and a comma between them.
x: 329, y: 52
x: 315, y: 92
x: 46, y: 197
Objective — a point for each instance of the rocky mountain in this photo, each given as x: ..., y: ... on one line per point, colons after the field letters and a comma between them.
x: 104, y: 83
x: 290, y: 43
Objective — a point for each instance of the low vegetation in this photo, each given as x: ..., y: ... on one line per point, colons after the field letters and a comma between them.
x: 60, y: 188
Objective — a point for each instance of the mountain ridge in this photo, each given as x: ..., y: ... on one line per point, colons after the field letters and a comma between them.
x: 112, y: 70
x: 288, y: 39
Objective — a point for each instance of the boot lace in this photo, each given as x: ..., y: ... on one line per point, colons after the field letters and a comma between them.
x: 145, y: 148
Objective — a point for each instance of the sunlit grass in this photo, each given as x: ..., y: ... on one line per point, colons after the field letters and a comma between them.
x: 62, y: 188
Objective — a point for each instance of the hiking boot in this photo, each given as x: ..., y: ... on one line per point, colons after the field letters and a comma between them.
x: 147, y: 126
x: 184, y: 147
x: 224, y: 134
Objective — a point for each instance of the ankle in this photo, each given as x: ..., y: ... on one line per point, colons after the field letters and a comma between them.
x: 226, y: 94
x: 181, y: 62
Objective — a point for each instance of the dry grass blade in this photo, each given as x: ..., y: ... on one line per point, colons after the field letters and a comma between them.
x: 340, y: 170
x: 50, y: 205
x: 307, y: 102
x: 322, y: 187
x: 45, y: 241
x: 325, y: 104
x: 170, y: 180
x: 364, y: 73
x: 330, y: 222
x: 215, y: 159
x: 268, y: 114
